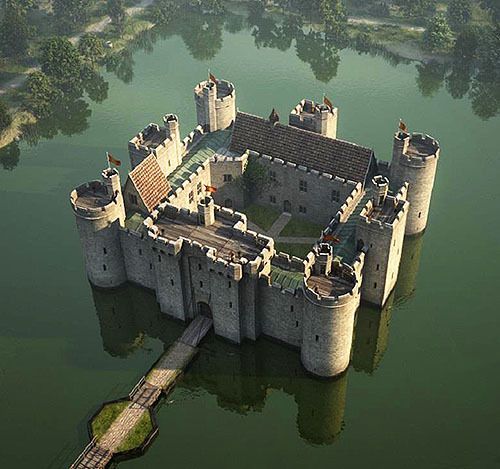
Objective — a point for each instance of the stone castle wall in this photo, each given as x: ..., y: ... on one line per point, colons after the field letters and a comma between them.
x: 324, y: 195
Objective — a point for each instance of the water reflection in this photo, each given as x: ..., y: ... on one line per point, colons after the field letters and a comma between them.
x: 9, y: 156
x: 242, y: 377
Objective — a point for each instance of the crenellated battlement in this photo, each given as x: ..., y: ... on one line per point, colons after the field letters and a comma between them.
x: 200, y: 257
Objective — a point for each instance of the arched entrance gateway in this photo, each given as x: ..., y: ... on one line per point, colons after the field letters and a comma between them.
x: 204, y: 309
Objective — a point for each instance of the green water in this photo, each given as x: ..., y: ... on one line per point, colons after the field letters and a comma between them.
x: 422, y: 391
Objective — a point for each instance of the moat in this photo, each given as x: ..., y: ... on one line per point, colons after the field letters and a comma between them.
x: 421, y: 389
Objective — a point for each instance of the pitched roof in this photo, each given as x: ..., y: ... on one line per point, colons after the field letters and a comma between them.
x: 302, y: 147
x: 150, y: 182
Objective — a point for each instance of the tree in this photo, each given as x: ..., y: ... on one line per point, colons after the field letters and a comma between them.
x: 71, y: 13
x: 41, y: 94
x: 23, y: 6
x: 61, y: 61
x: 334, y: 17
x: 14, y: 32
x: 117, y: 13
x: 466, y: 44
x: 163, y: 11
x: 9, y: 156
x: 459, y: 13
x: 493, y: 7
x: 5, y: 117
x: 91, y: 48
x: 438, y: 35
x: 417, y: 8
x: 254, y: 180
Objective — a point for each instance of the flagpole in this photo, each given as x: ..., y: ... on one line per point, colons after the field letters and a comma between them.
x: 107, y: 159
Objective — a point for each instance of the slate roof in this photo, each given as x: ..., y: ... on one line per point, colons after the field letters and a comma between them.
x: 150, y: 182
x: 302, y: 147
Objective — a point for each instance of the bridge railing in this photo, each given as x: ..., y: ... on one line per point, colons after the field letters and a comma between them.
x: 82, y: 455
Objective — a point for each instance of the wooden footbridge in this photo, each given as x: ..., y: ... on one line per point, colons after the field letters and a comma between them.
x: 146, y: 393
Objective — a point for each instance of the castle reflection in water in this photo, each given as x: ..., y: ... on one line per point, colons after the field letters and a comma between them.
x: 241, y: 376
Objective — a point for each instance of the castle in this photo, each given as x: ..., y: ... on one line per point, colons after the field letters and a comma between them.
x: 174, y: 226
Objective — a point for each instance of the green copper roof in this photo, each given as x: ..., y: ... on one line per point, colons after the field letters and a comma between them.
x: 134, y: 222
x: 286, y: 278
x: 203, y: 150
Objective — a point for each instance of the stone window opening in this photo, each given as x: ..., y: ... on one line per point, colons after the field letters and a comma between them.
x: 229, y: 284
x: 191, y: 197
x: 172, y: 281
x: 335, y: 195
x: 228, y: 177
x: 140, y: 252
x: 133, y: 199
x: 302, y: 209
x: 291, y: 308
x: 302, y: 186
x: 150, y: 266
x: 378, y: 266
x: 105, y: 251
x: 272, y: 176
x: 374, y: 284
x: 228, y: 203
x: 104, y: 267
x: 201, y: 284
x: 272, y: 199
x: 199, y: 266
x: 230, y: 304
x: 317, y: 338
x: 159, y: 258
x: 198, y: 187
x: 419, y: 214
x: 296, y: 323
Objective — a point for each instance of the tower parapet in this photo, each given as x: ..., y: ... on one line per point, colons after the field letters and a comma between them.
x: 331, y: 291
x: 380, y: 230
x: 315, y: 117
x: 414, y: 160
x: 163, y: 142
x: 99, y: 211
x: 215, y: 104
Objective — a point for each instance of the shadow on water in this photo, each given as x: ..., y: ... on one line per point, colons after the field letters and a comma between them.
x: 241, y: 377
x: 371, y: 335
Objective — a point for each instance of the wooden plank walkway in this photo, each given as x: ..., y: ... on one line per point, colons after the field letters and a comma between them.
x: 147, y: 392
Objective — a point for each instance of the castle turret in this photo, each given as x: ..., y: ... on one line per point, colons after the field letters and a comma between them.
x: 172, y: 132
x: 380, y: 230
x: 215, y: 104
x: 206, y: 211
x: 330, y: 305
x: 414, y: 160
x: 318, y: 118
x: 99, y: 211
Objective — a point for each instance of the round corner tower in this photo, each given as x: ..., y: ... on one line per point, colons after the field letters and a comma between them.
x: 215, y: 104
x: 332, y: 297
x: 100, y: 212
x: 414, y: 160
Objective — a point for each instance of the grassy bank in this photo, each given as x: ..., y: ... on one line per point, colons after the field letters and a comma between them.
x: 103, y: 420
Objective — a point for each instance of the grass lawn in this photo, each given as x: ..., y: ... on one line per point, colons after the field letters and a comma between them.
x: 138, y: 434
x: 302, y: 228
x: 297, y: 250
x: 106, y: 417
x: 261, y: 215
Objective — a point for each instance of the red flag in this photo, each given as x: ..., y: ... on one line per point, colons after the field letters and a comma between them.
x: 113, y: 160
x: 332, y: 238
x: 327, y: 102
x: 211, y: 189
x: 212, y: 78
x: 402, y: 126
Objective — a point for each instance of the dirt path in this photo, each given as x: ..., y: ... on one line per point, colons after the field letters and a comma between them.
x: 377, y: 22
